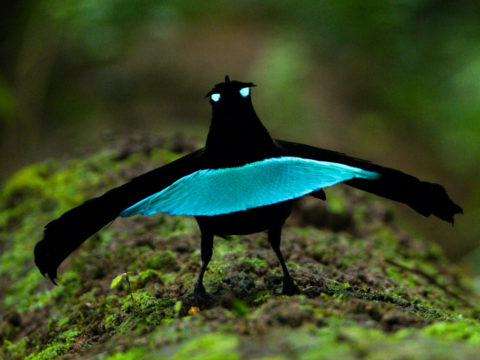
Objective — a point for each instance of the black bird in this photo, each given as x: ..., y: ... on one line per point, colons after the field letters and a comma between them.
x: 241, y: 182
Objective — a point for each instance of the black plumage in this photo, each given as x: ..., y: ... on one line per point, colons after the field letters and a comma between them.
x: 236, y: 138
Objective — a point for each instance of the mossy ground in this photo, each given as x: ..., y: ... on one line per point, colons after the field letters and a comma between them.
x: 370, y: 290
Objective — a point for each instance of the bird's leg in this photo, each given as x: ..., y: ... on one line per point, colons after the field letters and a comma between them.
x: 206, y: 249
x: 274, y: 237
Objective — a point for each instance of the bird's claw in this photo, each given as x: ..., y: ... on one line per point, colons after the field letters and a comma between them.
x: 200, y: 295
x: 289, y: 287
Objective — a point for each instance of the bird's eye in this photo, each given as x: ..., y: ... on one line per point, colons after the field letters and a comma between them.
x: 215, y: 97
x: 245, y: 91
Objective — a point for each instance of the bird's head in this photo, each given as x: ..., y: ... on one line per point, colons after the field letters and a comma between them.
x: 236, y: 133
x: 231, y: 96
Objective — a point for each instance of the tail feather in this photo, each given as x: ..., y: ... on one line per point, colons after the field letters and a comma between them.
x: 65, y: 234
x: 424, y: 197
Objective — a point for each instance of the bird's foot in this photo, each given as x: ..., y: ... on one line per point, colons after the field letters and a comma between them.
x: 200, y: 296
x: 289, y: 287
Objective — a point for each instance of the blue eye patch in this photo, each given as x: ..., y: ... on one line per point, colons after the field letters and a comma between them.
x: 245, y: 91
x: 215, y: 97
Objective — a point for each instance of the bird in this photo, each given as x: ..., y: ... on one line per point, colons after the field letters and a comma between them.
x: 241, y: 182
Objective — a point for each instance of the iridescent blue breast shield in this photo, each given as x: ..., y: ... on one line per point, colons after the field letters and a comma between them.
x: 221, y: 191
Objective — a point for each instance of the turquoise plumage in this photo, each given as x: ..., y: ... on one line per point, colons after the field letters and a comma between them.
x: 211, y: 192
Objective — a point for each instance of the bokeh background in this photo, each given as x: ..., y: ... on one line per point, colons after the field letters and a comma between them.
x: 397, y: 82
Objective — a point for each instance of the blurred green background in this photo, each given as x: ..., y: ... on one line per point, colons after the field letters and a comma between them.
x: 397, y: 82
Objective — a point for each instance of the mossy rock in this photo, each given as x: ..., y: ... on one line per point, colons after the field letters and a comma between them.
x: 370, y: 290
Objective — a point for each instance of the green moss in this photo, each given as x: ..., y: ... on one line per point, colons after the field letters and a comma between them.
x: 145, y: 302
x: 262, y: 297
x: 164, y: 259
x: 131, y: 354
x: 230, y: 246
x: 149, y: 276
x: 253, y: 264
x: 336, y: 205
x: 57, y: 348
x: 15, y: 350
x: 467, y: 330
x: 240, y: 308
x: 19, y: 292
x: 370, y: 292
x: 119, y: 282
x: 209, y: 346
